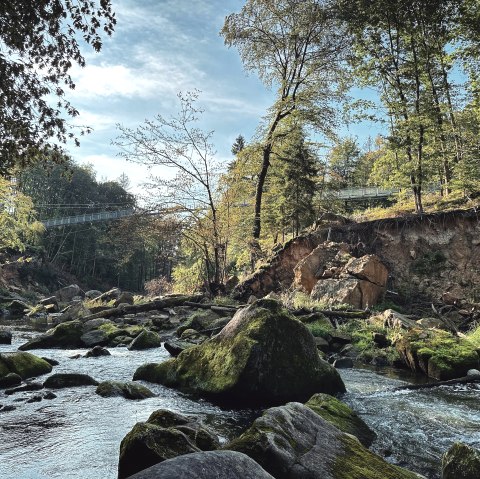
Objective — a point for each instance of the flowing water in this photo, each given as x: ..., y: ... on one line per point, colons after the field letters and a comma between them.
x: 77, y: 435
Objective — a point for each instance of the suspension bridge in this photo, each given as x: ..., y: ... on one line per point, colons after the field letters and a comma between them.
x: 346, y: 194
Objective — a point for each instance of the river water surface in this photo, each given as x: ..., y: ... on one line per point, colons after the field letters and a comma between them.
x: 78, y: 434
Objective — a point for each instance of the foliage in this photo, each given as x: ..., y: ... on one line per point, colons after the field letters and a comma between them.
x: 40, y: 44
x: 17, y: 224
x: 158, y: 286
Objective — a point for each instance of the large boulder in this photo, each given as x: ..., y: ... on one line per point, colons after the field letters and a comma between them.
x: 67, y: 293
x: 5, y: 337
x: 163, y: 436
x: 128, y: 390
x: 94, y: 337
x: 206, y: 465
x: 293, y: 442
x: 369, y: 268
x: 18, y: 307
x: 461, y: 462
x: 341, y: 416
x: 263, y: 355
x: 200, y: 321
x: 438, y: 354
x: 145, y: 340
x: 65, y: 335
x: 358, y: 293
x: 26, y: 365
x: 309, y: 270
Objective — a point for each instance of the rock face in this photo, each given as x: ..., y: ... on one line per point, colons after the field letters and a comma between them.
x: 206, y: 465
x: 128, y: 390
x: 163, y: 436
x: 438, y: 354
x: 262, y: 355
x: 310, y: 269
x: 26, y: 365
x: 64, y: 335
x: 461, y: 462
x: 341, y: 416
x: 293, y: 442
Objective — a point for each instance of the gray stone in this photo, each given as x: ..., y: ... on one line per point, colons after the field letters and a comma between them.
x: 18, y: 308
x: 471, y: 373
x: 128, y: 390
x: 62, y: 336
x: 293, y: 442
x: 92, y: 293
x: 94, y: 337
x: 343, y: 363
x: 206, y: 465
x: 97, y: 351
x: 461, y: 462
x: 11, y: 379
x: 145, y: 340
x: 65, y: 380
x: 5, y: 337
x: 67, y: 293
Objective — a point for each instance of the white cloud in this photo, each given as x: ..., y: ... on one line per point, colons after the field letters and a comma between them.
x: 96, y: 121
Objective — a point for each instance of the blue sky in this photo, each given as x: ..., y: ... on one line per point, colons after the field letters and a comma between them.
x: 158, y: 49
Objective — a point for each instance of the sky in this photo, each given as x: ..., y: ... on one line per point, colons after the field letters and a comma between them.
x: 159, y: 48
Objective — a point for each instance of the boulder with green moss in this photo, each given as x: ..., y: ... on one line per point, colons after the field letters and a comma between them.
x: 146, y: 340
x: 26, y: 365
x: 461, y: 462
x: 65, y: 335
x: 438, y: 354
x: 293, y: 442
x: 263, y: 355
x: 163, y: 436
x: 341, y: 416
x: 200, y: 321
x: 128, y: 390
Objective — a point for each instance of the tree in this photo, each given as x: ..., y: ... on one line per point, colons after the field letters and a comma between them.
x: 343, y: 159
x: 40, y: 43
x: 238, y: 145
x: 177, y: 144
x: 295, y: 46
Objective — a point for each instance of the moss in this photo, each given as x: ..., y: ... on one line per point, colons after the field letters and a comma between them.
x: 341, y: 416
x: 4, y: 369
x: 440, y: 354
x: 26, y: 365
x: 461, y: 462
x: 199, y: 321
x: 359, y: 462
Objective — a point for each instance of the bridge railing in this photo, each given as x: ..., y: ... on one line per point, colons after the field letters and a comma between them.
x: 87, y: 217
x: 364, y: 192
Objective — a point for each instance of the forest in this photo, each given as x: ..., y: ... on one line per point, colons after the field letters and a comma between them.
x: 214, y: 221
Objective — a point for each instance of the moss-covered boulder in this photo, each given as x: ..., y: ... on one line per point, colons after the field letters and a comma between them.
x: 146, y: 340
x: 65, y: 335
x: 200, y: 320
x: 163, y: 436
x: 293, y: 442
x: 26, y: 365
x: 263, y: 355
x: 206, y: 465
x: 461, y: 462
x: 128, y: 390
x: 341, y: 416
x: 438, y: 354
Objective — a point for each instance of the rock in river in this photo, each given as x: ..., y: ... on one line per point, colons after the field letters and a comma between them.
x: 206, y: 465
x: 293, y: 442
x: 263, y: 355
x: 461, y: 462
x: 26, y: 365
x: 145, y: 340
x: 62, y: 336
x: 128, y: 390
x: 65, y: 380
x: 165, y: 435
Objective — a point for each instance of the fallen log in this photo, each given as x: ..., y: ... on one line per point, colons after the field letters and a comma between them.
x: 450, y: 382
x: 166, y: 302
x: 329, y: 313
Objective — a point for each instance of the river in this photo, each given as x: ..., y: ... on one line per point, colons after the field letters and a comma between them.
x: 77, y: 435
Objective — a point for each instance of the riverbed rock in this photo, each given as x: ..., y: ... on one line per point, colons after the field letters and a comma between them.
x: 92, y: 293
x: 461, y: 462
x: 124, y: 298
x: 175, y: 347
x: 66, y: 380
x: 29, y: 386
x: 263, y: 355
x: 65, y: 335
x: 199, y: 321
x: 26, y: 365
x: 145, y: 340
x: 163, y: 436
x: 94, y: 337
x: 67, y: 293
x: 96, y: 352
x: 5, y: 337
x: 437, y: 353
x: 10, y: 380
x: 110, y: 295
x: 294, y: 442
x: 341, y: 416
x: 206, y: 465
x: 128, y: 390
x: 18, y: 308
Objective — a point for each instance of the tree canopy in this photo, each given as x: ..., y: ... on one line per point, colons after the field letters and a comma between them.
x: 40, y: 42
